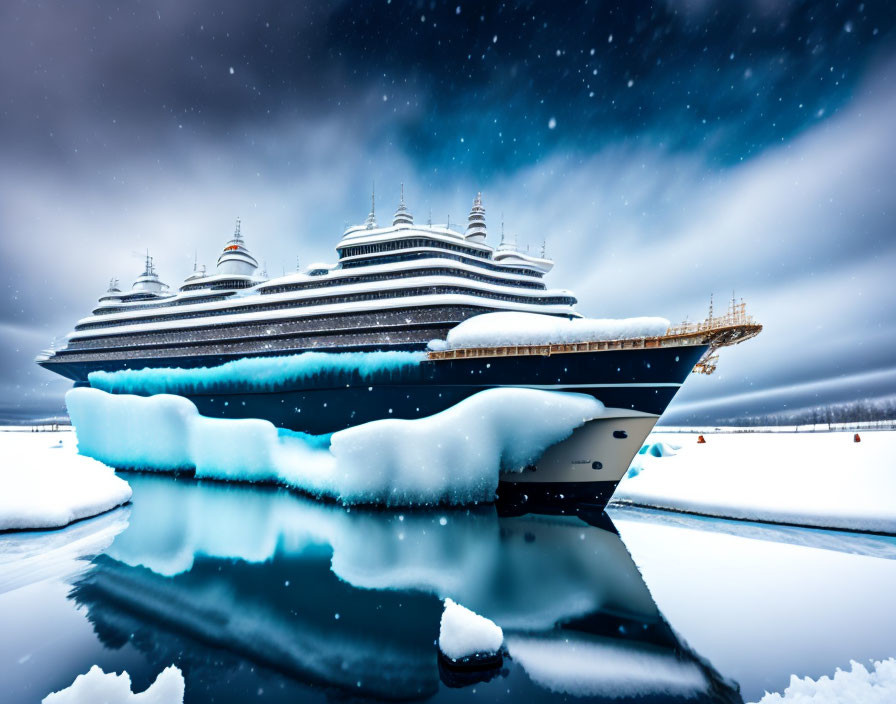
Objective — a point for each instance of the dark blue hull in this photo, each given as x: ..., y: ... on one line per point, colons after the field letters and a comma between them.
x: 644, y: 380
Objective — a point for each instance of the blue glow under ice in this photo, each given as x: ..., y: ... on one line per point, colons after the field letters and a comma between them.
x: 259, y: 373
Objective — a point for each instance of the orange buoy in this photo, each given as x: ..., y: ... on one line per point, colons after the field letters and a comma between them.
x: 856, y: 438
x: 702, y: 441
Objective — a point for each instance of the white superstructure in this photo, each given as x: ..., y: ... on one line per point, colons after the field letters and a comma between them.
x: 399, y: 277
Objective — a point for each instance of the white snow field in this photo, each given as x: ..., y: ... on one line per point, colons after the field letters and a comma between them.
x: 512, y: 329
x: 464, y: 633
x: 29, y: 557
x: 856, y: 686
x: 44, y: 483
x: 98, y: 687
x: 821, y: 479
x: 452, y: 457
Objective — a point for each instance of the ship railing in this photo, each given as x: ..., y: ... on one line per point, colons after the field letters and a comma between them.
x: 721, y: 331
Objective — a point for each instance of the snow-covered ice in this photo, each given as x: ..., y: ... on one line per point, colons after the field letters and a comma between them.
x: 511, y: 329
x: 44, y: 483
x: 810, y: 479
x: 658, y: 448
x: 464, y: 633
x: 451, y: 457
x: 857, y: 685
x: 258, y: 373
x: 59, y: 555
x: 98, y: 687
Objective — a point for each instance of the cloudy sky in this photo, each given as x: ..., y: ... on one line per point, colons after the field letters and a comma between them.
x: 664, y: 151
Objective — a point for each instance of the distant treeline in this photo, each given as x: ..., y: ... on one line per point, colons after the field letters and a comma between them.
x: 853, y: 412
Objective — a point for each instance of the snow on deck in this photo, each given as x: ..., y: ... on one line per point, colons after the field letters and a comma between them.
x: 509, y: 329
x: 44, y: 483
x: 451, y: 457
x: 809, y: 479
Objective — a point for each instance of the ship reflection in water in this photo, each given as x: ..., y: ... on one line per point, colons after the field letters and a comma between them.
x: 260, y: 592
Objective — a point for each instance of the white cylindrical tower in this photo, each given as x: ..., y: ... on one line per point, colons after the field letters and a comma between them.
x: 476, y: 231
x: 149, y: 281
x: 236, y: 259
x: 370, y: 222
x: 403, y: 216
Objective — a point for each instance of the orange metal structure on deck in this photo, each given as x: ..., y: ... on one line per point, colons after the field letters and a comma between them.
x: 730, y: 329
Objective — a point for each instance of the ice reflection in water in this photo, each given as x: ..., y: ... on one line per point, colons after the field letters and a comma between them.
x: 217, y: 578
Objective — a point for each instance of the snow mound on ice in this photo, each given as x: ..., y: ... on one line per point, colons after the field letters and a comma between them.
x: 109, y: 688
x: 451, y: 457
x: 812, y: 479
x: 48, y: 486
x: 464, y: 633
x: 858, y: 685
x: 510, y: 329
x: 650, y: 450
x: 261, y: 373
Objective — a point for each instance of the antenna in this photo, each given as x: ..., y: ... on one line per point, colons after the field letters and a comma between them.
x: 236, y: 232
x: 373, y: 198
x: 402, y: 193
x: 429, y: 219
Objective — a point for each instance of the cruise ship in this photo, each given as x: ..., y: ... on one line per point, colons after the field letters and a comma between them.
x: 394, y: 288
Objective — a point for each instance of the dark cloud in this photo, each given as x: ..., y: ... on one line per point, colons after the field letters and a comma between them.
x: 752, y: 150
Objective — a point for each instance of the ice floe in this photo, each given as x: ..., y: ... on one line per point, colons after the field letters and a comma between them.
x: 511, y: 329
x: 258, y: 373
x: 465, y: 634
x: 110, y: 688
x: 451, y: 457
x: 44, y: 483
x: 859, y: 685
x: 810, y: 479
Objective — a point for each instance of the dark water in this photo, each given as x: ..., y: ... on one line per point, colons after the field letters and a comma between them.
x: 261, y: 595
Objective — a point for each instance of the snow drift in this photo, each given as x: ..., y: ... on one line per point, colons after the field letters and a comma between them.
x: 511, y: 329
x: 811, y: 479
x: 257, y: 373
x: 44, y: 484
x: 98, y: 686
x: 452, y: 457
x: 877, y: 686
x: 465, y: 634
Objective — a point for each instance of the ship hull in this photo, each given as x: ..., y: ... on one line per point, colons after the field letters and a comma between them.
x: 635, y: 386
x: 643, y: 380
x: 583, y: 471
